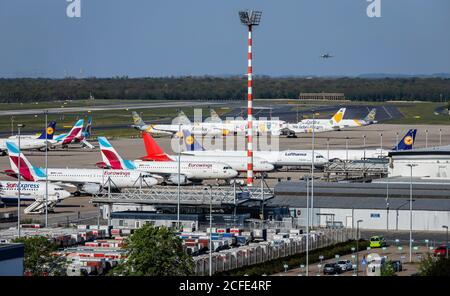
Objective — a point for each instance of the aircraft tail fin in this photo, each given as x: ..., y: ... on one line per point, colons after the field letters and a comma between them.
x: 191, y: 143
x: 154, y: 151
x: 137, y: 120
x: 111, y: 158
x: 407, y: 142
x: 88, y: 129
x: 50, y: 131
x: 371, y: 115
x: 27, y: 171
x: 338, y: 116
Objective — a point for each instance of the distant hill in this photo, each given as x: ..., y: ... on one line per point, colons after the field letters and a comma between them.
x: 386, y: 75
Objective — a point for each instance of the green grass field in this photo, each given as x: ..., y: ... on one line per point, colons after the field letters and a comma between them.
x: 420, y: 113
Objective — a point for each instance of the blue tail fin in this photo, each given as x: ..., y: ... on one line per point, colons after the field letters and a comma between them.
x: 50, y: 130
x: 407, y: 142
x: 191, y: 142
x: 88, y: 129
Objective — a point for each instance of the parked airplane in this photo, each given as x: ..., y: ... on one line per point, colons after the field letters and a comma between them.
x: 196, y: 128
x: 76, y: 135
x: 85, y: 180
x: 337, y: 122
x: 28, y: 142
x: 190, y: 171
x: 406, y: 143
x: 238, y: 163
x: 277, y: 158
x: 51, y: 128
x: 30, y: 191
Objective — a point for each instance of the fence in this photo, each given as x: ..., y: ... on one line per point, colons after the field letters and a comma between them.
x: 255, y: 253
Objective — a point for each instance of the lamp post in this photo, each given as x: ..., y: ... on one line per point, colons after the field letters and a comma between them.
x: 312, y: 168
x: 328, y: 149
x: 446, y: 244
x: 357, y: 246
x: 307, y: 225
x: 19, y: 177
x: 410, y: 210
x: 346, y: 149
x: 210, y: 230
x: 46, y: 169
x: 179, y: 176
x: 250, y: 19
x: 440, y: 137
x: 426, y: 138
x: 381, y: 143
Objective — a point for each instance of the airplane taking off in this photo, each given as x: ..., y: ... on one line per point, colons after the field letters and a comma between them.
x: 190, y: 171
x: 29, y: 142
x: 85, y: 180
x: 238, y: 163
x: 203, y: 128
x: 31, y: 191
x: 76, y: 135
x: 406, y: 143
x: 277, y: 158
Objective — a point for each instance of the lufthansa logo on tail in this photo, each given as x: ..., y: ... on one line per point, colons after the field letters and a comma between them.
x: 189, y: 140
x: 50, y: 130
x: 408, y: 140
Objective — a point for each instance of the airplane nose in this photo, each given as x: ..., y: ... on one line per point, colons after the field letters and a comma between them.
x: 64, y: 194
x: 270, y: 167
x: 232, y: 173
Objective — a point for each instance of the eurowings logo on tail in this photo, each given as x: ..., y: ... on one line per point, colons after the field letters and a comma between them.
x: 74, y: 133
x: 88, y: 129
x: 191, y: 142
x: 111, y: 158
x: 50, y: 131
x: 154, y: 152
x: 27, y: 171
x: 338, y: 116
x: 407, y: 142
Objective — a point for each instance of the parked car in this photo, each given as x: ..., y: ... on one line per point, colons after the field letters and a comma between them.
x: 332, y: 268
x: 440, y: 251
x: 377, y: 242
x: 397, y: 265
x: 345, y: 265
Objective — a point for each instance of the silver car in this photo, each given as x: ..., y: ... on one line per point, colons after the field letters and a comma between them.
x: 345, y: 265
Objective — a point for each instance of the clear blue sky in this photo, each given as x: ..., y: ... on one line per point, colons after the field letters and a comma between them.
x: 197, y: 37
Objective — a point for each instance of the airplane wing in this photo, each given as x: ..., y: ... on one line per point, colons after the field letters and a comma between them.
x: 86, y: 144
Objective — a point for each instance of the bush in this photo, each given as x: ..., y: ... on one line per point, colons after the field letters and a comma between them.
x: 431, y: 266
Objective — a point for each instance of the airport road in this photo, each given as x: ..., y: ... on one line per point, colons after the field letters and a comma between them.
x: 391, y: 252
x: 131, y: 106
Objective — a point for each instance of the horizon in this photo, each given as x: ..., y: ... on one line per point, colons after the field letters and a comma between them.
x: 175, y: 38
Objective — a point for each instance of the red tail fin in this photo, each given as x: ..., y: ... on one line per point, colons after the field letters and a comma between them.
x: 154, y: 152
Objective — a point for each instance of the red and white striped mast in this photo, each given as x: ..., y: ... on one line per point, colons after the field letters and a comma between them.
x: 250, y: 19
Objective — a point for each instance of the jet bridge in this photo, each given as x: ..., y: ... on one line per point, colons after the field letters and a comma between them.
x: 194, y: 196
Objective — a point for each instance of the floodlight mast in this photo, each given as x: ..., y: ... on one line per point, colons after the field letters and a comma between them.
x: 250, y: 19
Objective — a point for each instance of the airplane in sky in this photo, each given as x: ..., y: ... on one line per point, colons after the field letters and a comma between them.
x: 76, y: 135
x: 31, y: 191
x: 89, y: 181
x: 406, y: 143
x: 191, y: 171
x: 28, y: 142
x: 277, y: 158
x: 326, y: 56
x: 238, y: 163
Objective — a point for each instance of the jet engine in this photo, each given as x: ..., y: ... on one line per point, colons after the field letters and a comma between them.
x: 91, y: 188
x: 174, y: 179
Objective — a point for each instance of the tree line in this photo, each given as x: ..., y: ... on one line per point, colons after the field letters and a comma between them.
x: 220, y: 88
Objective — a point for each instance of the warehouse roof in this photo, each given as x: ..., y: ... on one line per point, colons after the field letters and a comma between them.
x: 363, y: 195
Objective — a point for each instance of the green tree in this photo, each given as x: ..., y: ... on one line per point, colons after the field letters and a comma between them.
x: 387, y: 269
x: 435, y: 266
x: 154, y: 251
x: 39, y: 259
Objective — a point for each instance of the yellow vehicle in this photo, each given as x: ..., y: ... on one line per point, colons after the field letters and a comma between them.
x: 377, y: 242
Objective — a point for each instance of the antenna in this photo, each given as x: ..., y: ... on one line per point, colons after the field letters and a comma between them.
x: 250, y: 18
